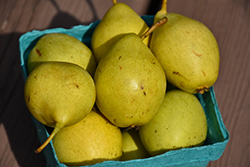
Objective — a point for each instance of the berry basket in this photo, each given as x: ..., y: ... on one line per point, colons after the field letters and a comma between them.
x: 217, y: 137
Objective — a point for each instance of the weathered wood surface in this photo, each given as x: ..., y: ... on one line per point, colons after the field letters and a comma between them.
x: 229, y: 20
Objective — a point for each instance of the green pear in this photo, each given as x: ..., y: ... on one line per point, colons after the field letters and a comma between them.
x: 59, y: 47
x: 92, y: 140
x: 132, y: 147
x: 59, y: 94
x: 179, y: 123
x: 187, y: 51
x: 130, y: 83
x: 120, y: 19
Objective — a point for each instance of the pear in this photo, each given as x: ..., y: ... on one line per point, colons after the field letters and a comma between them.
x: 130, y: 83
x: 59, y: 47
x: 92, y: 140
x: 59, y: 94
x: 187, y: 51
x: 132, y: 147
x: 179, y: 123
x: 120, y: 19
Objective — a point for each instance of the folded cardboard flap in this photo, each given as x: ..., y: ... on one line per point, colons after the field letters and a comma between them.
x: 217, y: 137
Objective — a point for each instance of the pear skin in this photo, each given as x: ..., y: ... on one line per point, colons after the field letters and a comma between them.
x: 187, y: 51
x: 132, y: 147
x: 59, y: 94
x: 120, y: 19
x: 92, y: 140
x: 130, y: 83
x: 179, y: 123
x: 59, y: 47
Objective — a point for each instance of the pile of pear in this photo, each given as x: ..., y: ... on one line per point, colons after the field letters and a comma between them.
x: 131, y: 95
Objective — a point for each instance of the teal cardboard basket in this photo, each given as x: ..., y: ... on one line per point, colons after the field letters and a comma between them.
x: 217, y: 137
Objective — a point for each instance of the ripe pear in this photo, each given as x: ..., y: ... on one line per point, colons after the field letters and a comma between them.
x: 92, y: 140
x: 120, y: 19
x: 180, y: 122
x: 132, y: 147
x: 187, y: 51
x: 59, y: 94
x: 130, y: 83
x: 59, y: 47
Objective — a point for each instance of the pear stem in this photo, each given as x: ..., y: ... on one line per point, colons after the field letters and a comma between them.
x: 54, y: 132
x: 164, y: 6
x: 136, y: 127
x: 114, y: 2
x: 153, y: 27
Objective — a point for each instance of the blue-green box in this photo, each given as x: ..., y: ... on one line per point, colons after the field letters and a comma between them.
x: 217, y: 137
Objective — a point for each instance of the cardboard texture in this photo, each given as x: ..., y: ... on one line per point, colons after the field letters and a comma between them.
x: 217, y: 137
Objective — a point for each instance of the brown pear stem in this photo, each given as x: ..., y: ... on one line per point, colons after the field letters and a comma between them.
x: 136, y: 127
x: 114, y: 2
x: 56, y: 129
x: 153, y: 27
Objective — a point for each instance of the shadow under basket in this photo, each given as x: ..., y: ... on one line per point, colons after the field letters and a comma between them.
x: 217, y: 137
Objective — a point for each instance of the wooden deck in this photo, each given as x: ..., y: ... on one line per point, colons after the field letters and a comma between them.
x: 229, y: 20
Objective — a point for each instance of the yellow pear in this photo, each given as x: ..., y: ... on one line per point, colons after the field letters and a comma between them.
x: 59, y: 47
x: 120, y: 19
x: 132, y: 147
x: 187, y: 51
x: 130, y: 83
x: 180, y: 122
x: 92, y: 140
x: 59, y: 94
